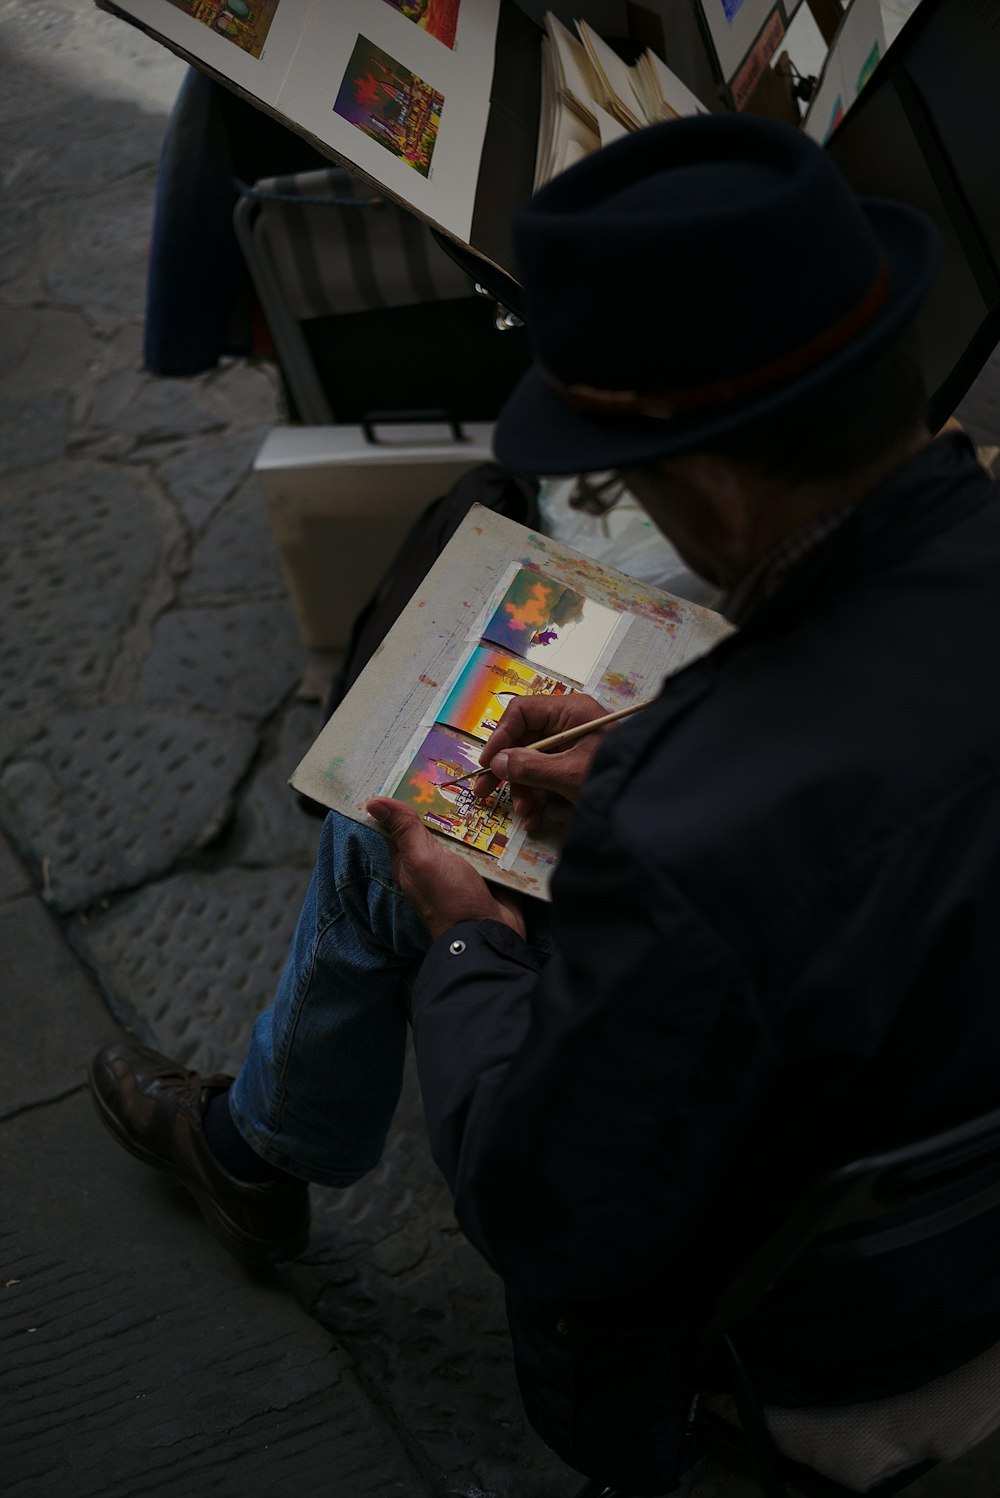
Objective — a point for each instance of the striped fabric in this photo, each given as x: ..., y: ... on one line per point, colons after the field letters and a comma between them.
x: 338, y: 247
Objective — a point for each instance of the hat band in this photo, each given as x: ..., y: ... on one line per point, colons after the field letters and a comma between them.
x: 664, y: 405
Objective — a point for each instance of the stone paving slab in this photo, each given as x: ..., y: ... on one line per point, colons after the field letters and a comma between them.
x: 141, y: 1360
x: 59, y: 1020
x: 155, y: 410
x: 238, y: 658
x: 82, y: 51
x: 248, y: 394
x: 236, y: 556
x: 192, y: 961
x: 33, y: 430
x: 18, y: 237
x: 392, y: 1276
x: 102, y: 800
x: 99, y: 145
x: 82, y: 547
x: 14, y: 877
x: 269, y: 826
x: 201, y: 475
x: 96, y: 255
x: 45, y: 350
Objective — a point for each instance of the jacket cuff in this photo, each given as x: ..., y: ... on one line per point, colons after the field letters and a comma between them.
x: 463, y: 947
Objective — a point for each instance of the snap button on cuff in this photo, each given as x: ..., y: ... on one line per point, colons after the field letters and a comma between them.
x: 457, y: 948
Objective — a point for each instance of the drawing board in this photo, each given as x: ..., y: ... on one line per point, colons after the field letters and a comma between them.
x: 416, y: 712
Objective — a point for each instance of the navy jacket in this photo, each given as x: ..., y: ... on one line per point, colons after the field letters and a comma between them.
x: 778, y: 949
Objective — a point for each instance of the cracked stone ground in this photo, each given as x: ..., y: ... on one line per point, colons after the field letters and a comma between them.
x: 148, y: 721
x: 149, y: 666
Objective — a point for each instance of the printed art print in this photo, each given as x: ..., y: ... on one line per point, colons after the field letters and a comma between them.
x: 487, y: 684
x: 245, y: 22
x: 453, y: 809
x: 552, y: 626
x: 391, y: 105
x: 437, y: 17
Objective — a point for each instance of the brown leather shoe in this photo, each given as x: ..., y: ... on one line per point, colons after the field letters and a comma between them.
x: 154, y: 1108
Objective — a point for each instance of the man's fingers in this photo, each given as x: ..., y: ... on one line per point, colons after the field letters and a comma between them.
x: 517, y: 722
x: 544, y: 772
x: 398, y: 821
x: 527, y: 718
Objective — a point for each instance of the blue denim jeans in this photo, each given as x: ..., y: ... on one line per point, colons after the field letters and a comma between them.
x: 322, y: 1077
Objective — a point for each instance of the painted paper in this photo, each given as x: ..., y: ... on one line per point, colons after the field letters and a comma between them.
x: 391, y: 105
x: 552, y: 626
x: 490, y: 680
x: 735, y: 29
x: 454, y: 810
x: 437, y: 17
x: 244, y: 22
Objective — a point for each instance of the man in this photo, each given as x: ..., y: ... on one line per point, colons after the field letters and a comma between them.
x: 773, y: 942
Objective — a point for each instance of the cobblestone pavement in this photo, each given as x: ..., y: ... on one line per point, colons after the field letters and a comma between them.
x: 149, y: 718
x: 149, y: 666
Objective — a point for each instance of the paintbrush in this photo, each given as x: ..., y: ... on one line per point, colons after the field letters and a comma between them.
x: 558, y: 740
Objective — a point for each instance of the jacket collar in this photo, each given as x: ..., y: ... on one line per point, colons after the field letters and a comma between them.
x: 931, y: 492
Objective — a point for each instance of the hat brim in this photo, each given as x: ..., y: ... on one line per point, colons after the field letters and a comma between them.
x: 538, y: 433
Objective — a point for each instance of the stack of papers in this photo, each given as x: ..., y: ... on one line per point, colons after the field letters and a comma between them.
x: 661, y: 93
x: 590, y: 96
x: 568, y: 126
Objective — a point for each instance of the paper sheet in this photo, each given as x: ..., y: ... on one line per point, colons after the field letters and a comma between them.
x: 404, y: 100
x: 373, y: 739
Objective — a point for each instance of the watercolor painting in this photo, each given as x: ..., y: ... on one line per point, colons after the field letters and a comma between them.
x: 731, y: 8
x: 437, y: 17
x: 245, y: 22
x: 552, y: 626
x: 453, y: 810
x: 488, y: 682
x: 390, y: 104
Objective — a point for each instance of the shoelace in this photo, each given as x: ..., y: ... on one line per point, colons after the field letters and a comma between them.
x: 189, y: 1086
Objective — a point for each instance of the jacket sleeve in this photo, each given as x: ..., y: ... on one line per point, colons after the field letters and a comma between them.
x: 586, y: 1115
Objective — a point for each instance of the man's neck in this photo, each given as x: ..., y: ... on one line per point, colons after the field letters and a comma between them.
x: 808, y: 516
x: 781, y: 511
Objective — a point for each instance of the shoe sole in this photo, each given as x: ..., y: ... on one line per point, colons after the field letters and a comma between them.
x: 234, y: 1239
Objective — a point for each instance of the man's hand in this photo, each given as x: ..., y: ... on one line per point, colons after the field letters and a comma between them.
x: 442, y: 888
x: 533, y: 776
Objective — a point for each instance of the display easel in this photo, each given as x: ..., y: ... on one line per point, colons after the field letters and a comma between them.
x: 923, y: 131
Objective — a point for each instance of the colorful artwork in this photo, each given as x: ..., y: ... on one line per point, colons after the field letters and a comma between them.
x: 552, y: 626
x: 245, y: 22
x: 731, y: 8
x: 767, y: 43
x: 437, y: 17
x: 867, y: 68
x: 836, y: 115
x: 391, y: 105
x: 453, y: 809
x: 488, y: 682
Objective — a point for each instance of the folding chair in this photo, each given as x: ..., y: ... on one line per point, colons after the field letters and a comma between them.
x: 875, y: 1206
x: 367, y: 312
